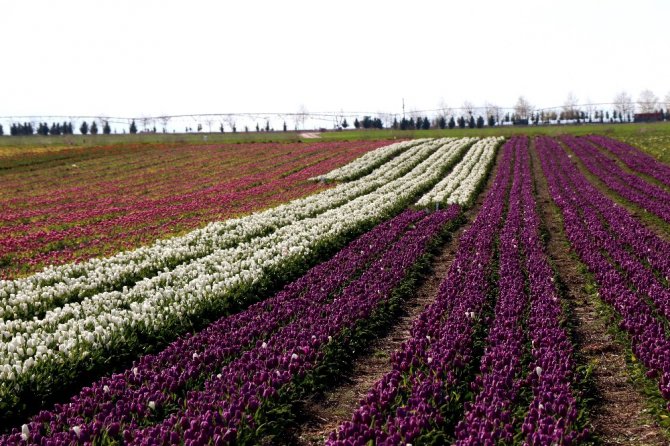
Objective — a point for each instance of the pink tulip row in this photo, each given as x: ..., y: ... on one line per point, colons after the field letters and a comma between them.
x: 92, y: 216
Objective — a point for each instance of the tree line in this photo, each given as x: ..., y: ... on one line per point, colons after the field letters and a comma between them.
x: 56, y: 128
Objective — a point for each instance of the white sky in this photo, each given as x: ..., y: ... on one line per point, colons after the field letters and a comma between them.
x: 139, y: 58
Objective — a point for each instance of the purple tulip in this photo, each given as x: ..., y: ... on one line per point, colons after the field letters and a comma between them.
x: 634, y: 158
x: 624, y: 257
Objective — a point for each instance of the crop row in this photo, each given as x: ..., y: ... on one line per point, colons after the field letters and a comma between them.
x: 284, y: 330
x: 459, y: 186
x: 109, y: 203
x: 650, y: 197
x: 39, y: 353
x: 635, y: 158
x: 629, y: 263
x: 367, y: 163
x: 422, y: 373
x: 24, y: 298
x: 422, y: 399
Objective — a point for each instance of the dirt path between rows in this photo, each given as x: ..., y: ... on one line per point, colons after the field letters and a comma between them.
x: 323, y: 413
x: 619, y: 415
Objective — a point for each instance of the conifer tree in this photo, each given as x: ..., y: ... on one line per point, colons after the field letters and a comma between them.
x: 106, y: 129
x: 452, y: 123
x: 83, y: 128
x: 425, y: 125
x: 133, y: 127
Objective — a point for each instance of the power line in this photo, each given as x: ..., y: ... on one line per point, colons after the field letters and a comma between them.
x: 320, y: 115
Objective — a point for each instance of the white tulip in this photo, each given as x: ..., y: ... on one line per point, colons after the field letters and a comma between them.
x: 223, y: 256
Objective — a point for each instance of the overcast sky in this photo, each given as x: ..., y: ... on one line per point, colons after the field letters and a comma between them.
x: 139, y: 58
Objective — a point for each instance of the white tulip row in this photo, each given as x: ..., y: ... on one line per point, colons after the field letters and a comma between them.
x: 370, y: 160
x: 22, y: 298
x: 460, y: 185
x: 67, y: 334
x: 18, y: 325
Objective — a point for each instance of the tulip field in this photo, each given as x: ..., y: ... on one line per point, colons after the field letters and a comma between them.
x: 74, y: 205
x: 167, y: 295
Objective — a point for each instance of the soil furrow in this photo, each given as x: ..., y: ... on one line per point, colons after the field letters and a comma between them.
x: 619, y: 414
x: 323, y: 413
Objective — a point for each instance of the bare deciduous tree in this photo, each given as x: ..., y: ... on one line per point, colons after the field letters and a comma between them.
x: 523, y: 109
x: 387, y: 118
x: 647, y: 102
x: 623, y: 104
x: 301, y: 116
x: 443, y: 109
x: 667, y: 103
x: 468, y: 108
x: 230, y: 120
x: 164, y: 121
x: 590, y: 108
x: 492, y: 110
x: 146, y: 123
x: 339, y: 119
x: 570, y: 109
x: 209, y: 120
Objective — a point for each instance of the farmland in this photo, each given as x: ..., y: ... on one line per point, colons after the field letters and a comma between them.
x: 223, y: 293
x: 71, y: 205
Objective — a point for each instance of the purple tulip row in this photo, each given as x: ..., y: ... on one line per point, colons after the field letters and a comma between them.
x: 634, y: 158
x: 552, y: 415
x: 520, y: 316
x: 603, y: 236
x: 157, y: 382
x: 489, y: 418
x: 642, y: 242
x: 407, y: 402
x: 231, y: 406
x: 630, y: 186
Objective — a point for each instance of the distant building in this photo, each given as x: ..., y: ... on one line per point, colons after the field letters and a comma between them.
x: 648, y: 117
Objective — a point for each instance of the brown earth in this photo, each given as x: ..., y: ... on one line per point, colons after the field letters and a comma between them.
x: 619, y: 415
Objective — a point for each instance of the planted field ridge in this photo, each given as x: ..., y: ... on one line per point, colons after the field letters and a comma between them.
x: 208, y: 294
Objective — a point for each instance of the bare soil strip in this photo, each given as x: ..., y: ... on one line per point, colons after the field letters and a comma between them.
x: 619, y: 415
x: 323, y: 413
